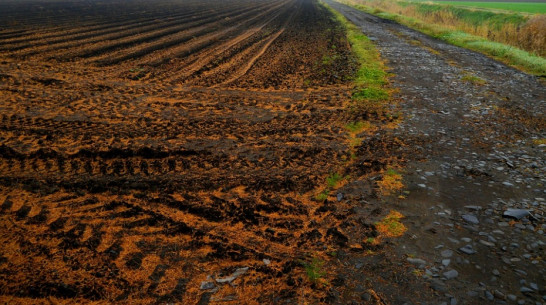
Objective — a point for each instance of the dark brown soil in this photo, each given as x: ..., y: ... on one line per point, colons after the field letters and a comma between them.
x: 150, y: 147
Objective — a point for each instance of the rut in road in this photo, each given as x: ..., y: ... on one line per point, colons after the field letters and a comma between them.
x: 472, y: 128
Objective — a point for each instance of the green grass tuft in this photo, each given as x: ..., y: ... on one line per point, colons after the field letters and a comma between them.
x: 314, y: 270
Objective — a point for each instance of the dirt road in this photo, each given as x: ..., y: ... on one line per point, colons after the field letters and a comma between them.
x: 473, y: 134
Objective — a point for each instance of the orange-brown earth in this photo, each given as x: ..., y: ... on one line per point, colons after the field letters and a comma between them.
x: 147, y: 147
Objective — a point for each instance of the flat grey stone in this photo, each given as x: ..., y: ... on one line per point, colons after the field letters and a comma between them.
x: 451, y: 274
x: 447, y: 253
x: 446, y: 262
x: 526, y: 290
x: 416, y: 261
x: 467, y: 249
x: 470, y: 219
x: 516, y: 213
x: 486, y: 243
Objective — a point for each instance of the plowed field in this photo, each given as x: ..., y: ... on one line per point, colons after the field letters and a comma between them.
x: 147, y: 147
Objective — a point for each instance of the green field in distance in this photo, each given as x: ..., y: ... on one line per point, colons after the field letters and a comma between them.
x: 526, y: 7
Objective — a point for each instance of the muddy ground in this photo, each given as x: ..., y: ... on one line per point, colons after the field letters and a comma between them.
x: 172, y: 153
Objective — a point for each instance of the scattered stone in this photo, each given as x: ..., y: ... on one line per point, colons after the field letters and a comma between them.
x: 339, y: 196
x: 512, y: 297
x: 447, y: 253
x: 446, y: 262
x: 438, y: 285
x: 416, y: 262
x: 499, y: 295
x: 266, y: 261
x: 473, y: 293
x: 486, y: 243
x: 466, y: 239
x: 453, y: 240
x: 470, y: 219
x: 516, y: 213
x: 233, y: 276
x: 496, y: 272
x: 451, y: 274
x: 489, y: 295
x: 534, y: 286
x: 525, y: 290
x: 467, y: 249
x: 422, y: 185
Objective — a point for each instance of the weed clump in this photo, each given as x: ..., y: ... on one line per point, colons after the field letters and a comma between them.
x: 390, y: 183
x: 390, y: 226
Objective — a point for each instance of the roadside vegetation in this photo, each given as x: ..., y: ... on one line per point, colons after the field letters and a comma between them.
x: 370, y: 96
x: 514, y: 38
x: 523, y: 7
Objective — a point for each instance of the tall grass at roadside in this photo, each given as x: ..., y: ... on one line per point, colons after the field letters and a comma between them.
x: 446, y: 23
x: 523, y: 7
x: 519, y: 30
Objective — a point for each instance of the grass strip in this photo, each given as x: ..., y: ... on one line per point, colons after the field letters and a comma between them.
x: 371, y: 78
